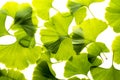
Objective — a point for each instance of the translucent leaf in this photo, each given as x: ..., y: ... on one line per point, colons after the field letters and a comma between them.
x: 3, y: 30
x: 112, y: 15
x: 78, y: 11
x: 65, y: 50
x: 87, y: 2
x: 56, y: 31
x: 78, y: 64
x: 96, y: 48
x: 92, y: 28
x: 80, y: 14
x: 11, y: 8
x: 43, y: 72
x: 23, y: 19
x: 17, y: 56
x: 116, y: 49
x: 105, y: 74
x: 74, y: 78
x: 78, y: 40
x: 94, y: 61
x: 11, y: 75
x: 42, y: 7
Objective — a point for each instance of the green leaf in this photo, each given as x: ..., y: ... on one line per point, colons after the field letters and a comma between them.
x: 116, y: 49
x: 78, y: 64
x: 43, y: 72
x: 42, y: 7
x: 77, y: 10
x: 3, y: 30
x: 94, y: 60
x: 112, y: 15
x: 73, y: 6
x: 96, y: 48
x: 87, y: 2
x: 23, y: 19
x: 74, y: 78
x: 17, y: 56
x: 80, y: 14
x: 105, y: 74
x: 56, y: 31
x: 78, y: 40
x: 65, y: 50
x: 11, y: 75
x: 92, y: 28
x: 11, y: 8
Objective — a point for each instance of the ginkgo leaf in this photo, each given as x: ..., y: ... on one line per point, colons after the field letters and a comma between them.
x: 80, y: 14
x: 112, y: 15
x: 22, y: 14
x: 116, y: 49
x: 11, y: 8
x: 42, y: 7
x: 105, y: 74
x: 92, y: 28
x: 95, y: 61
x: 87, y: 2
x: 77, y: 10
x: 17, y: 56
x: 96, y: 48
x: 65, y: 50
x: 42, y: 72
x: 23, y: 19
x: 78, y: 40
x: 77, y: 64
x: 56, y: 30
x: 11, y: 75
x: 3, y: 30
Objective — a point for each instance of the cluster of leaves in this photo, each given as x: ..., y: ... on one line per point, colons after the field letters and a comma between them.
x: 56, y: 42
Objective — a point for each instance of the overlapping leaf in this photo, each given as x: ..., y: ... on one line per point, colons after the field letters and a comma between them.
x: 112, y: 15
x: 116, y: 49
x: 17, y: 56
x: 65, y: 50
x: 96, y: 48
x: 87, y: 2
x: 78, y: 64
x: 56, y: 31
x: 11, y: 75
x: 42, y: 7
x: 3, y: 30
x: 23, y: 52
x: 77, y: 10
x: 92, y: 28
x: 43, y: 72
x: 105, y: 74
x: 78, y: 40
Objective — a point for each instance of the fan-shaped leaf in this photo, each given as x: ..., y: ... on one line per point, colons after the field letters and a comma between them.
x: 65, y: 50
x: 92, y: 28
x: 105, y: 74
x: 56, y: 31
x: 17, y: 56
x: 116, y: 49
x: 11, y: 75
x: 112, y: 15
x: 42, y: 7
x: 43, y: 72
x: 96, y: 48
x: 78, y: 64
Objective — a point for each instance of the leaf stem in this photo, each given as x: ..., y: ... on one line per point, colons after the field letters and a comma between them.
x: 105, y: 56
x: 91, y: 12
